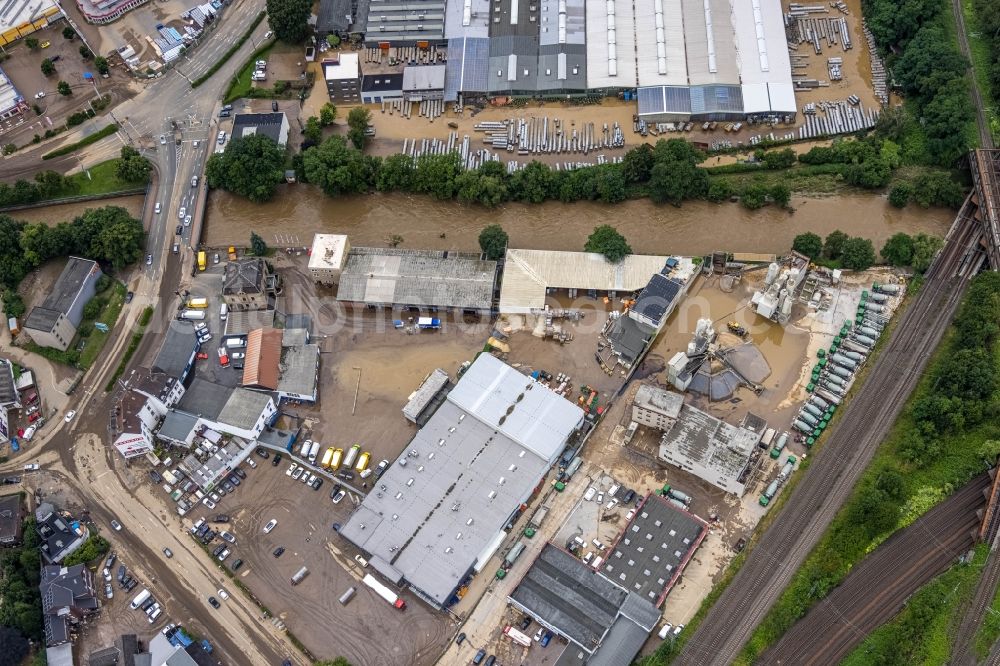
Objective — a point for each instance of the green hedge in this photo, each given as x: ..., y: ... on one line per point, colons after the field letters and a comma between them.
x: 96, y: 546
x: 230, y: 53
x: 82, y: 143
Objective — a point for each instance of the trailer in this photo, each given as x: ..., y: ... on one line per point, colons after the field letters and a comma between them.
x: 384, y: 592
x: 300, y: 575
x: 516, y: 636
x: 351, y: 456
x: 539, y: 516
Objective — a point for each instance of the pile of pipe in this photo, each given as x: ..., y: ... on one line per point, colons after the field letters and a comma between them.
x: 839, y: 118
x: 535, y: 136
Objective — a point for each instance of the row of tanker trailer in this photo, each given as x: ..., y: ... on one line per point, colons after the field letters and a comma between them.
x: 336, y: 458
x: 834, y: 372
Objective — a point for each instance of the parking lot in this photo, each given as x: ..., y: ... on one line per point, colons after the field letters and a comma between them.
x: 310, y: 610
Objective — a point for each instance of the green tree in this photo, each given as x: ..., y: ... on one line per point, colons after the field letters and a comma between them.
x: 754, y: 196
x: 358, y: 120
x: 64, y: 89
x: 101, y: 64
x: 313, y: 131
x: 808, y: 244
x: 13, y: 304
x: 339, y: 661
x: 327, y: 114
x: 251, y: 166
x: 93, y: 308
x: 257, y: 245
x: 336, y: 168
x: 719, y: 191
x: 437, y: 175
x: 289, y: 19
x: 781, y: 194
x: 109, y: 235
x: 94, y: 547
x: 85, y: 52
x: 833, y: 247
x: 858, y: 254
x: 637, y: 163
x: 68, y: 32
x: 924, y: 249
x: 898, y: 250
x: 608, y: 241
x: 396, y: 173
x: 534, y: 183
x: 131, y: 166
x: 333, y: 41
x: 48, y: 69
x: 900, y: 194
x: 15, y: 646
x: 493, y: 241
x: 776, y: 159
x: 31, y: 43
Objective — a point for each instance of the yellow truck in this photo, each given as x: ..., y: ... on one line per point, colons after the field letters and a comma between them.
x: 232, y: 253
x: 362, y: 463
x: 202, y: 261
x: 327, y: 457
x: 338, y: 455
x: 198, y: 303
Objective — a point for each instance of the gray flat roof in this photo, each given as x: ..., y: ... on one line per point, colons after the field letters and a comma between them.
x: 709, y: 448
x: 243, y: 408
x: 64, y: 293
x: 579, y: 603
x: 268, y: 124
x: 659, y: 400
x: 244, y: 276
x: 298, y: 370
x: 629, y: 337
x: 177, y: 349
x: 177, y: 425
x: 417, y: 277
x: 205, y: 399
x: 429, y: 388
x: 423, y: 77
x: 653, y: 550
x: 8, y: 390
x: 241, y: 322
x: 404, y: 20
x: 433, y: 517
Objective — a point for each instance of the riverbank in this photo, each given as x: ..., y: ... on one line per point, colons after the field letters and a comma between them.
x: 695, y: 228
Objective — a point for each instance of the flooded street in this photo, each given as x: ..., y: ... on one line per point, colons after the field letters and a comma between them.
x: 698, y: 227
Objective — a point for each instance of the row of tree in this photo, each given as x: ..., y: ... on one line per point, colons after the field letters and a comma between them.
x: 20, y: 598
x: 965, y: 380
x: 854, y: 253
x: 131, y: 168
x: 928, y: 67
x: 108, y: 235
x: 989, y: 24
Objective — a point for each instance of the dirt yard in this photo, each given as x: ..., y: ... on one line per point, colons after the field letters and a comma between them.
x: 310, y: 611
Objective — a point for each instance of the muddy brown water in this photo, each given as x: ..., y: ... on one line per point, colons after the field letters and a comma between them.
x: 53, y: 215
x: 299, y: 211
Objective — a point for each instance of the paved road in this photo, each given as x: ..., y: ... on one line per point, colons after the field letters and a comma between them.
x: 864, y: 423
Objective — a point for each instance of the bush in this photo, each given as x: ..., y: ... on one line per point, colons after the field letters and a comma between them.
x: 493, y: 241
x: 13, y: 304
x: 719, y: 191
x: 900, y: 195
x: 94, y: 547
x: 859, y: 254
x: 898, y: 250
x: 82, y: 143
x: 754, y: 196
x: 608, y: 241
x: 808, y: 244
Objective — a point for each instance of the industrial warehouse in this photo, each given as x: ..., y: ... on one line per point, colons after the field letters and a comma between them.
x: 439, y: 512
x: 684, y: 60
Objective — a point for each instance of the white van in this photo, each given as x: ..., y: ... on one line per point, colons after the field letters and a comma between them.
x: 223, y: 312
x: 140, y: 598
x: 597, y: 562
x: 665, y: 631
x: 588, y: 557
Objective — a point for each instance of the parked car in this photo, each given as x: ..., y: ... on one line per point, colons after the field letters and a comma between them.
x: 270, y: 526
x: 179, y: 230
x: 317, y: 484
x: 236, y: 565
x: 278, y: 551
x: 224, y: 554
x: 339, y: 496
x: 222, y: 594
x: 227, y: 536
x: 202, y: 356
x: 297, y: 473
x: 218, y: 550
x: 169, y: 553
x: 380, y: 470
x: 149, y: 260
x: 276, y: 460
x: 214, y: 602
x: 221, y: 518
x: 240, y: 473
x: 116, y: 525
x: 108, y: 591
x: 155, y: 476
x: 262, y: 452
x: 69, y: 416
x: 291, y: 469
x: 233, y: 479
x: 209, y: 503
x: 525, y: 622
x: 129, y: 296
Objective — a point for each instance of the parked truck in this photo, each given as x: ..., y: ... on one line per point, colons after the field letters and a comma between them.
x: 300, y: 575
x: 573, y: 467
x: 327, y: 458
x: 384, y: 592
x: 197, y: 303
x: 539, y: 516
x: 514, y: 553
x: 517, y: 636
x: 338, y: 455
x: 780, y: 445
x: 305, y: 449
x: 677, y: 494
x: 351, y: 456
x: 362, y: 463
x: 313, y: 452
x: 769, y: 494
x: 786, y: 471
x: 192, y: 315
x: 202, y: 260
x: 430, y: 323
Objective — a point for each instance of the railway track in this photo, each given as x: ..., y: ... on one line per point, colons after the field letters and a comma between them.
x: 963, y: 647
x: 985, y: 138
x: 821, y: 493
x: 879, y: 586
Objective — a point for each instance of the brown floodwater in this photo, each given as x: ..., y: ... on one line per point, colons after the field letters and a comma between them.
x: 696, y: 228
x: 66, y: 212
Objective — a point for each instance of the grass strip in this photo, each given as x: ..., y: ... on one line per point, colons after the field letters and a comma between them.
x: 230, y: 53
x: 133, y: 345
x: 108, y: 317
x: 82, y: 143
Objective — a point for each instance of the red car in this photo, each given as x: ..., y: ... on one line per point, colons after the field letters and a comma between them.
x: 34, y: 417
x: 202, y: 356
x: 223, y: 358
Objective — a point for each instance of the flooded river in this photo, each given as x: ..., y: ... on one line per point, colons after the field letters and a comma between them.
x: 66, y: 212
x: 697, y: 227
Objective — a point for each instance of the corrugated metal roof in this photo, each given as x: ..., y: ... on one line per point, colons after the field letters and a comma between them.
x: 660, y: 39
x: 610, y: 44
x: 527, y: 273
x: 263, y: 352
